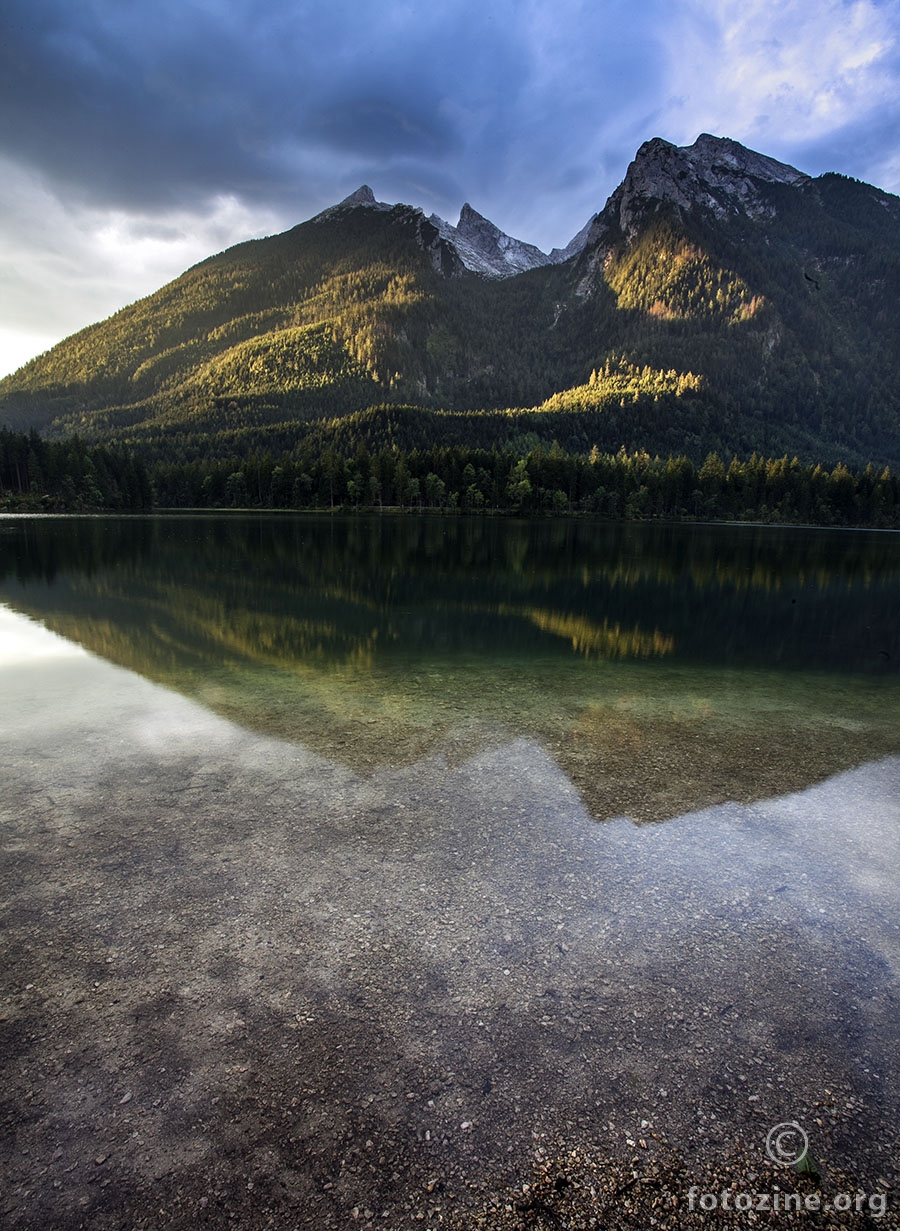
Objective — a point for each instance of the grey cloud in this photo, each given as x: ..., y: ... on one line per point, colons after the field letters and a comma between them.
x: 384, y: 125
x: 188, y: 101
x: 147, y: 107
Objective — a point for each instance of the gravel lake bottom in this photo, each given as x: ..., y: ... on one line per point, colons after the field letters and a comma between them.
x: 245, y: 985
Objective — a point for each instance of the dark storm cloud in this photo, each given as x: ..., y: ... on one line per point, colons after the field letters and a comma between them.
x: 113, y: 109
x: 139, y: 103
x: 155, y: 104
x: 380, y: 124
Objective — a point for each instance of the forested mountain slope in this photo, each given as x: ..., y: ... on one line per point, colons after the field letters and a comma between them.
x: 720, y: 300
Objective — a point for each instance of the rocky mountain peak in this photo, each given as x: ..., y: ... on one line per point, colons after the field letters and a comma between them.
x: 362, y: 196
x: 716, y: 173
x: 476, y: 227
x: 485, y: 249
x: 718, y: 154
x: 475, y: 243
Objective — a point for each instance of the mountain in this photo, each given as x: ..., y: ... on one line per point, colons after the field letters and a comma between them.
x: 714, y: 174
x: 477, y: 244
x: 485, y: 249
x: 720, y: 300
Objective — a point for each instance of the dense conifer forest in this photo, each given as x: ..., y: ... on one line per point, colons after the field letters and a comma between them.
x: 541, y: 481
x: 68, y: 476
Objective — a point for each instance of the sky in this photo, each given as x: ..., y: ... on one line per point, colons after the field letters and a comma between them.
x: 140, y: 136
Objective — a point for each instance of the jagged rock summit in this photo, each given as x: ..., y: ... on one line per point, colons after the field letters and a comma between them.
x: 487, y: 250
x: 715, y: 173
x: 363, y: 197
x: 476, y: 242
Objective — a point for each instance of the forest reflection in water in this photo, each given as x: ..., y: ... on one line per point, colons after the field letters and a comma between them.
x: 664, y: 668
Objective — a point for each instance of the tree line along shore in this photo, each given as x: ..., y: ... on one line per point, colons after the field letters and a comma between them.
x: 69, y: 475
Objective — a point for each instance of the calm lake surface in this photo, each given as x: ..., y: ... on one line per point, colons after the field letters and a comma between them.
x: 463, y: 838
x: 662, y: 667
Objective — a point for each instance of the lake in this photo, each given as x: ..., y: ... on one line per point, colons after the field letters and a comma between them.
x: 364, y: 864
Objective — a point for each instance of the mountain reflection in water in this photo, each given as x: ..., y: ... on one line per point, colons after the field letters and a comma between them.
x: 663, y: 667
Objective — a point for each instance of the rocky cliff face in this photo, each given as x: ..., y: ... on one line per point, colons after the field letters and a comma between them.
x: 575, y: 245
x: 485, y: 249
x: 714, y: 173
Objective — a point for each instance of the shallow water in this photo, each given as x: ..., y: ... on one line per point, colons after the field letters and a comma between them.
x: 312, y: 895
